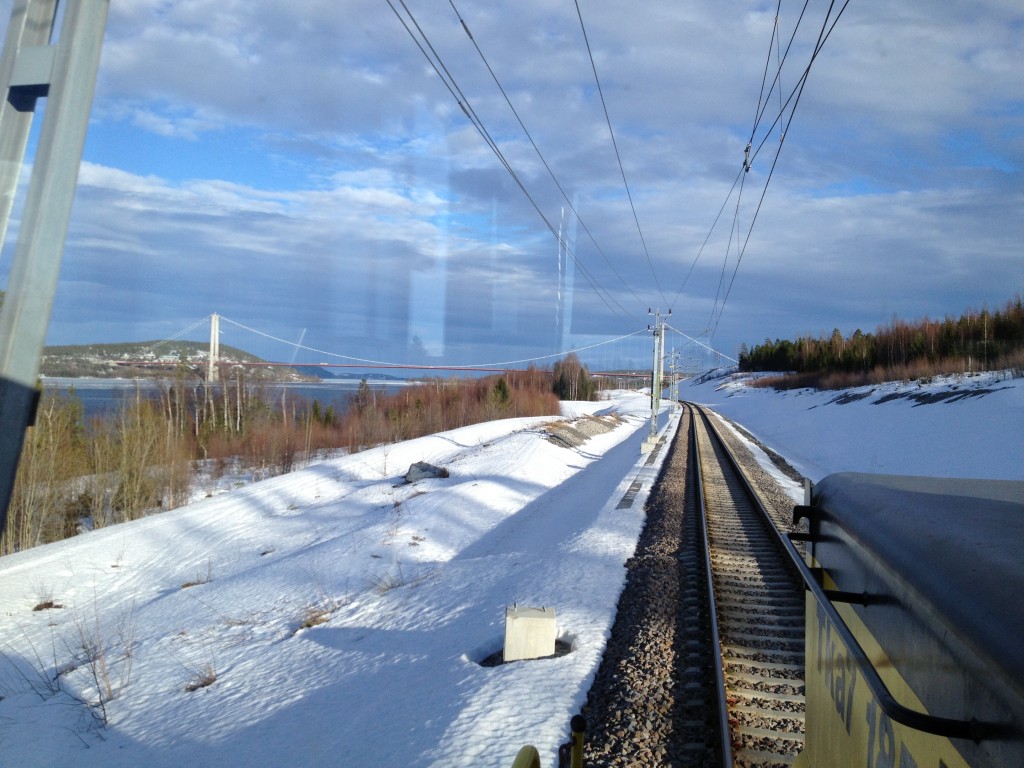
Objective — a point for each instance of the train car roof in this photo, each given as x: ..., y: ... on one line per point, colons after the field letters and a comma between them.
x: 958, y: 543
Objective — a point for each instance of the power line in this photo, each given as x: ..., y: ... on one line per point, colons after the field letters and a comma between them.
x: 703, y: 245
x: 551, y: 173
x: 823, y: 35
x: 618, y: 156
x: 437, y: 63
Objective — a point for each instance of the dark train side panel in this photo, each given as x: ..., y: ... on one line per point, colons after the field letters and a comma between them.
x: 940, y: 568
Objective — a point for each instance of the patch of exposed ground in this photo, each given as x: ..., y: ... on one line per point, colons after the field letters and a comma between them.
x: 572, y: 433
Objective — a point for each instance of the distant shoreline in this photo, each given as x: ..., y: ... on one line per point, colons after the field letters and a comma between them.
x: 122, y: 381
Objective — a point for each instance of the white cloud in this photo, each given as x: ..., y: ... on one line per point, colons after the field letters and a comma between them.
x: 894, y: 186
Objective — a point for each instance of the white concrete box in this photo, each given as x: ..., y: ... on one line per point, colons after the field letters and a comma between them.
x: 529, y: 633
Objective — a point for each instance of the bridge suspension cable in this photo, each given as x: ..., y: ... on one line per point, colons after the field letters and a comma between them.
x: 386, y: 363
x: 178, y: 335
x: 560, y: 354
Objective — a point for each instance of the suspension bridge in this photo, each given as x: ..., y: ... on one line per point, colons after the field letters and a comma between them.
x: 627, y: 356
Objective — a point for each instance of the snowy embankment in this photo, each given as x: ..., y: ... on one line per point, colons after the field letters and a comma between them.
x: 950, y: 426
x: 336, y: 616
x: 332, y: 616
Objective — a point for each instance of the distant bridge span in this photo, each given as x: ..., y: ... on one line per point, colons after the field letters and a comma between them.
x: 361, y: 366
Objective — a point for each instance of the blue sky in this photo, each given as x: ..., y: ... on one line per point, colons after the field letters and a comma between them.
x: 304, y: 171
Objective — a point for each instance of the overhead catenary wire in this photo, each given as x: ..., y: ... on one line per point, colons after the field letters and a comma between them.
x: 763, y: 100
x: 700, y: 343
x: 734, y: 230
x: 783, y: 118
x: 618, y: 156
x: 778, y: 56
x: 823, y: 35
x: 797, y: 89
x: 449, y: 81
x: 707, y: 238
x: 540, y: 155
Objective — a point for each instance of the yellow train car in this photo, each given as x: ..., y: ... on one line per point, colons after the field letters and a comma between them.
x: 915, y: 623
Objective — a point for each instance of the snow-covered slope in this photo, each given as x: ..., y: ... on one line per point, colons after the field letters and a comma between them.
x: 953, y: 426
x: 405, y: 586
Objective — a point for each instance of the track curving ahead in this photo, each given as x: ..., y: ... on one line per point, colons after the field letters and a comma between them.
x: 704, y: 665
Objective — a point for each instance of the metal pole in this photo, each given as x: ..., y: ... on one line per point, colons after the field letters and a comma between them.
x: 66, y: 74
x: 578, y: 726
x: 661, y: 362
x: 30, y: 29
x: 657, y: 373
x: 655, y: 384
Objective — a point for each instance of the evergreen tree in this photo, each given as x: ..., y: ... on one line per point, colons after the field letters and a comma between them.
x: 501, y: 396
x: 364, y: 397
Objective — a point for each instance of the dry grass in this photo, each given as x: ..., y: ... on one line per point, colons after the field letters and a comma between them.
x: 105, y: 650
x: 201, y: 577
x: 383, y: 583
x: 923, y: 371
x: 203, y: 678
x: 314, y: 615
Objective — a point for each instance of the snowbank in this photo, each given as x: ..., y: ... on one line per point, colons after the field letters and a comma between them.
x: 339, y: 614
x: 952, y: 426
x: 333, y: 616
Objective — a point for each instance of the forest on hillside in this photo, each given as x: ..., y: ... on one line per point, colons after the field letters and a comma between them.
x: 77, y: 473
x: 976, y: 341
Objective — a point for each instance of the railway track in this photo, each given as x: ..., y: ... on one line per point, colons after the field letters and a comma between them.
x: 759, y: 604
x: 704, y: 666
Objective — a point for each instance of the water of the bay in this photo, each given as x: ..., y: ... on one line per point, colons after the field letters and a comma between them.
x: 102, y: 396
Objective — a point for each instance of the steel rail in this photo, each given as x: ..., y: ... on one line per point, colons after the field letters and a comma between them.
x: 974, y: 730
x: 725, y: 732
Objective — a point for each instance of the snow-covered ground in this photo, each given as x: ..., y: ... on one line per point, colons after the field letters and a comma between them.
x: 406, y: 586
x: 951, y: 426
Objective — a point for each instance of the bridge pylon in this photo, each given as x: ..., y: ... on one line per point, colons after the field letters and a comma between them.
x: 212, y: 369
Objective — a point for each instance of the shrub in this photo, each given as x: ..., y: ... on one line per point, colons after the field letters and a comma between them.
x: 202, y: 678
x: 43, y: 502
x: 141, y: 458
